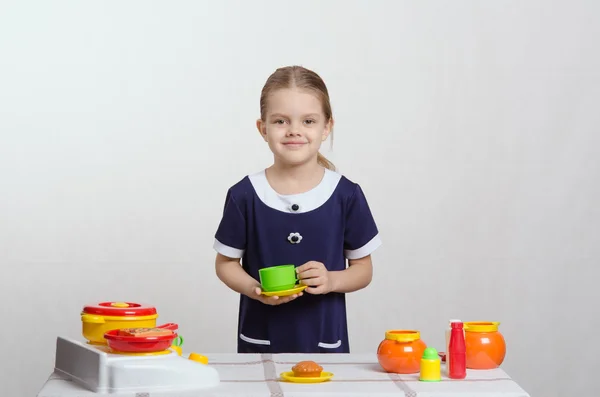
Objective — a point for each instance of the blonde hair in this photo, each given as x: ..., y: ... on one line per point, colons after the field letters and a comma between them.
x: 298, y: 76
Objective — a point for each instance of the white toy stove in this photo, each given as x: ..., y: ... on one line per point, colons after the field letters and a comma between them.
x: 97, y: 369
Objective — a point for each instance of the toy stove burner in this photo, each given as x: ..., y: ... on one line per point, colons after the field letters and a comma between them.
x: 99, y: 369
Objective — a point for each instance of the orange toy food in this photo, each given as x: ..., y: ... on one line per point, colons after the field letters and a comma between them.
x: 401, y: 351
x: 486, y: 346
x: 145, y: 332
x: 307, y: 369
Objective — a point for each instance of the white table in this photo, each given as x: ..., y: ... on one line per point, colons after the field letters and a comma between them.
x: 257, y: 375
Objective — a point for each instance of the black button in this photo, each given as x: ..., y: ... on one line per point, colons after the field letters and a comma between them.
x: 295, y: 207
x: 295, y: 239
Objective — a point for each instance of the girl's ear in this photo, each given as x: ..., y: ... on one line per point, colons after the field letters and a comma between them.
x: 262, y: 129
x: 328, y: 129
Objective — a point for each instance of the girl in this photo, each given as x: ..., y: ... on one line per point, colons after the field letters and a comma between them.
x: 298, y: 211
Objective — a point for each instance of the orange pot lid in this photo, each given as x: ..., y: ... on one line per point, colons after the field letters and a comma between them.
x: 119, y: 309
x: 402, y: 335
x: 482, y: 326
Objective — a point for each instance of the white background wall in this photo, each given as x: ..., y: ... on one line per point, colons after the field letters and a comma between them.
x: 472, y: 127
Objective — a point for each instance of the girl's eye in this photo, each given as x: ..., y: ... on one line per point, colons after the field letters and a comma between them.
x: 279, y: 121
x: 309, y: 121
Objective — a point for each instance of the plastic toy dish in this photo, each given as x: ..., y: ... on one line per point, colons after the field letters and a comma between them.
x: 145, y: 344
x: 289, y: 376
x: 298, y: 288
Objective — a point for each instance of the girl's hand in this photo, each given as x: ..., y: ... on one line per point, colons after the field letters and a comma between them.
x: 272, y: 300
x: 316, y: 276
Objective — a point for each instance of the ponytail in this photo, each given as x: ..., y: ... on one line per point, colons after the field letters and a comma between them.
x: 322, y: 160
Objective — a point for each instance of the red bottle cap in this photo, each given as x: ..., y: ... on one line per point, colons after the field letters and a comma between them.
x: 456, y: 325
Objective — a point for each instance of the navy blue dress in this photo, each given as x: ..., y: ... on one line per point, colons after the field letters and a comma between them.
x: 329, y: 224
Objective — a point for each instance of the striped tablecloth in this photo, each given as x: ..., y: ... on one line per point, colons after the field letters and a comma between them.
x: 258, y: 375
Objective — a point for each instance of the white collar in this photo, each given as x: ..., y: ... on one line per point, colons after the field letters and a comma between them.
x: 295, y: 203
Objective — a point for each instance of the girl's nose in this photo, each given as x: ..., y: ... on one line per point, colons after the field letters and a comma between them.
x: 294, y: 129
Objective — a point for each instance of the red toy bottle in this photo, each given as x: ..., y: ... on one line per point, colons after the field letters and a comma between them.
x: 458, y: 352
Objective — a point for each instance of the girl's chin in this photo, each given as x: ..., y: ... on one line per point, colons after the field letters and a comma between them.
x: 295, y: 158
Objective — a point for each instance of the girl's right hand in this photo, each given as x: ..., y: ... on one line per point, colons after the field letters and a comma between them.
x: 273, y: 300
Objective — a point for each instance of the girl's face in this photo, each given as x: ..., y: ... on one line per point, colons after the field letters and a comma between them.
x: 295, y: 126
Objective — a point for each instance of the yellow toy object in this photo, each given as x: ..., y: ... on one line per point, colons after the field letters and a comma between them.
x: 289, y: 376
x: 198, y: 358
x: 177, y: 349
x: 430, y: 366
x: 287, y: 292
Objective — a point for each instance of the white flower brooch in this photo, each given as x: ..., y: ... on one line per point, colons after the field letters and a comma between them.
x: 294, y: 238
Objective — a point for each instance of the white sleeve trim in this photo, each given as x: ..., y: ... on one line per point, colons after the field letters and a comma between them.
x: 365, y: 250
x: 227, y: 250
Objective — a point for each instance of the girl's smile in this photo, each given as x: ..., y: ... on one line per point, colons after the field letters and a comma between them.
x: 294, y: 144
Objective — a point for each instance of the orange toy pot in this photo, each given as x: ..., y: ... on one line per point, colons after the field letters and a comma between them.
x: 486, y: 347
x: 401, y: 351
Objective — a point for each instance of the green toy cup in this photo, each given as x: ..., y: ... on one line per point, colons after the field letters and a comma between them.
x: 277, y: 278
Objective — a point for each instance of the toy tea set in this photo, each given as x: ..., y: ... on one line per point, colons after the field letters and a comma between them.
x: 280, y: 280
x: 126, y: 351
x: 469, y: 345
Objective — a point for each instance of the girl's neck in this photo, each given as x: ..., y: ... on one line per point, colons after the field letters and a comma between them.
x: 295, y: 179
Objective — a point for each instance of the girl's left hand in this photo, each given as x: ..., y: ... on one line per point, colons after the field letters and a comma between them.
x: 316, y: 277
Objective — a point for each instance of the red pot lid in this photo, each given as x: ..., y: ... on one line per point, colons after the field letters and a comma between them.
x: 119, y: 309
